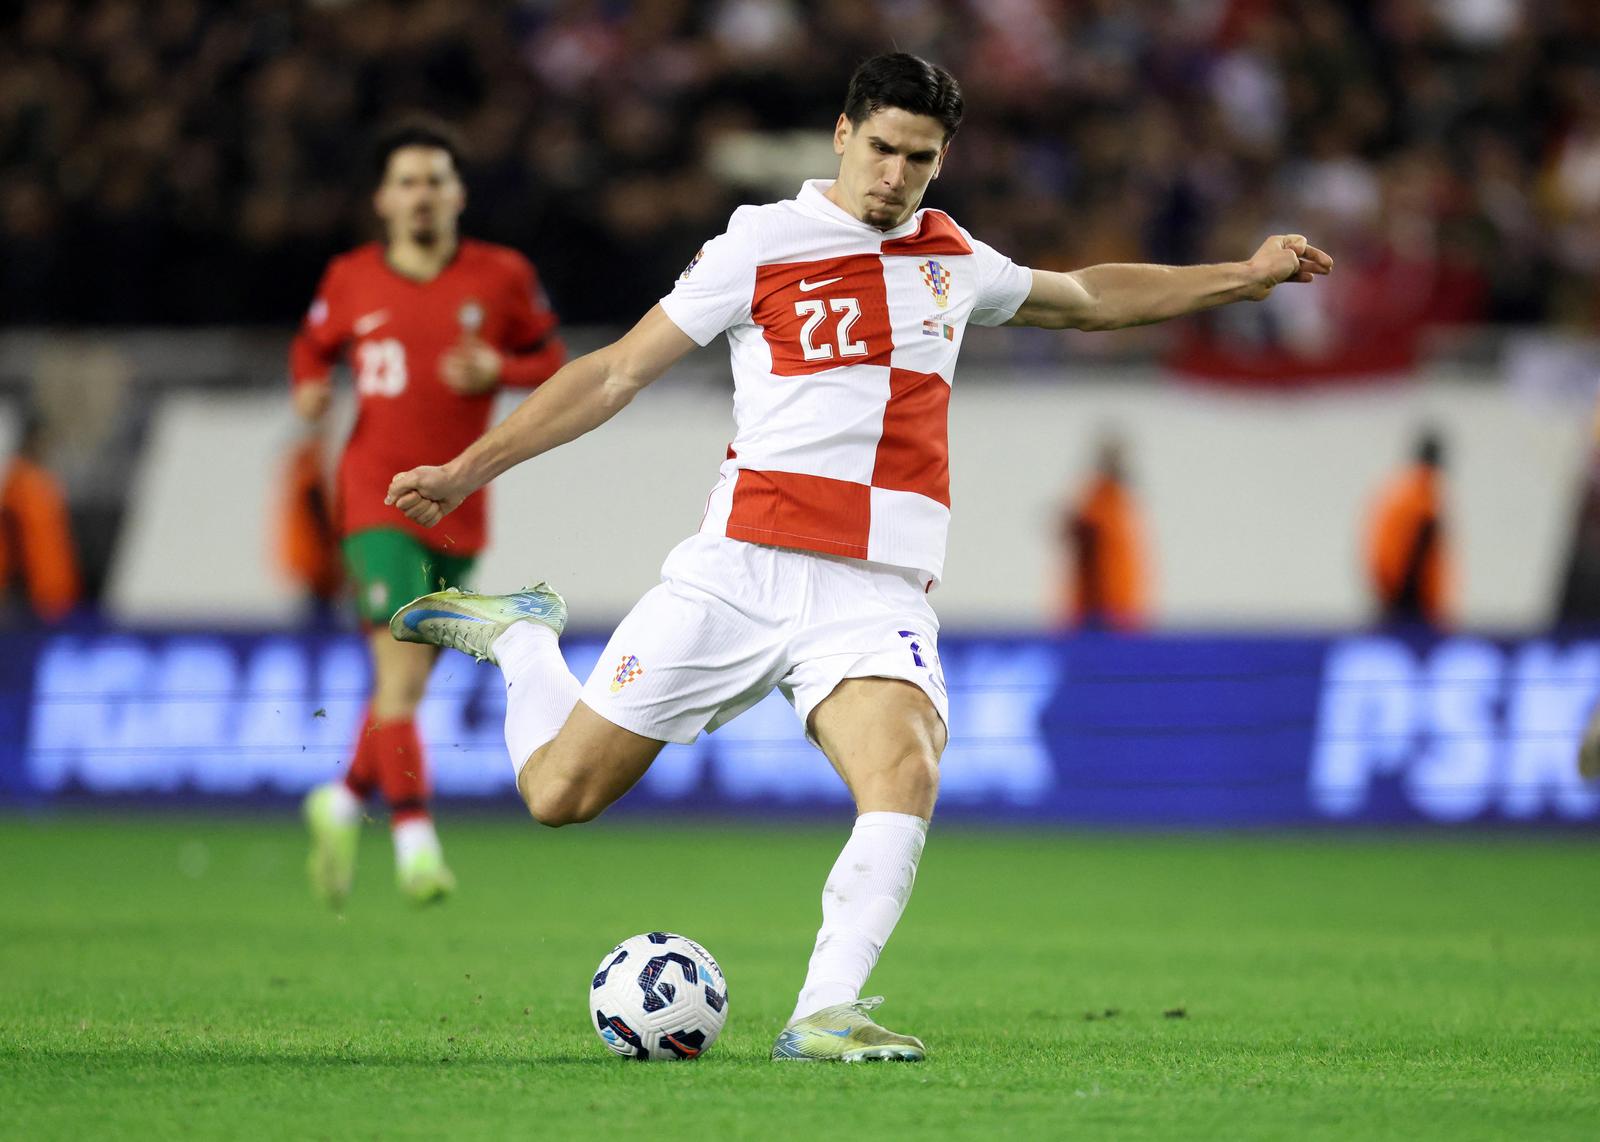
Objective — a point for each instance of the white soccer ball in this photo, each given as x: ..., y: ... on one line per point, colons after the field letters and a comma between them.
x: 658, y: 996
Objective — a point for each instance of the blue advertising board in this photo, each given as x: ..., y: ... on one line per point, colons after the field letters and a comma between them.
x: 1149, y: 731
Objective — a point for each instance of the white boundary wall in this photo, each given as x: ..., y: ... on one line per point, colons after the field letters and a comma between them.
x: 1254, y: 506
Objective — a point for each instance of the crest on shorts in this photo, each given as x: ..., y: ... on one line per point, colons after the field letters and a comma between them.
x: 693, y: 262
x: 936, y: 276
x: 627, y: 670
x: 470, y: 315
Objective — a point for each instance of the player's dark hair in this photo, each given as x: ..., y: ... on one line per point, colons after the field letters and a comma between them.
x: 909, y: 83
x: 413, y: 132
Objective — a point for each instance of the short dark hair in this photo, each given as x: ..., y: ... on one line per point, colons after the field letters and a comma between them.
x: 413, y: 132
x: 907, y: 82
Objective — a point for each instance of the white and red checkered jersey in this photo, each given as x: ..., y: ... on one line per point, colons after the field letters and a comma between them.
x: 844, y: 340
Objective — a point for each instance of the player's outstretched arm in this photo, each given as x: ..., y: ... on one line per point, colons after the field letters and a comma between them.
x: 1114, y: 296
x: 583, y: 395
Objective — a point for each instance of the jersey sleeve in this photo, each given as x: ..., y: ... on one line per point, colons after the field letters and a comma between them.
x: 533, y: 351
x: 1002, y: 285
x: 323, y: 332
x: 714, y: 291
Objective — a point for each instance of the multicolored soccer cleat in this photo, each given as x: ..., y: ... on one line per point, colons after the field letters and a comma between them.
x: 844, y: 1033
x: 424, y: 878
x: 332, y: 863
x: 471, y: 623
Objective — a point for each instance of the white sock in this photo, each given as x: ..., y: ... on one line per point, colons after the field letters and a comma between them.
x: 861, y: 903
x: 412, y: 837
x: 540, y: 690
x: 346, y: 805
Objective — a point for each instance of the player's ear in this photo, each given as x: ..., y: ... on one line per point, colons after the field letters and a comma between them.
x: 841, y: 132
x: 938, y: 163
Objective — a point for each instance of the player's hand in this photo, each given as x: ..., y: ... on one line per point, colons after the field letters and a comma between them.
x: 1285, y: 258
x: 470, y: 368
x: 311, y: 399
x: 426, y: 495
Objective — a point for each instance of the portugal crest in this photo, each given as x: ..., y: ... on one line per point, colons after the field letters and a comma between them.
x: 936, y: 276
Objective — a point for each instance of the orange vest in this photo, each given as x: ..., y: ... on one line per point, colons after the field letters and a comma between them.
x: 1408, y: 557
x: 1108, y: 580
x: 36, y: 540
x: 308, y: 545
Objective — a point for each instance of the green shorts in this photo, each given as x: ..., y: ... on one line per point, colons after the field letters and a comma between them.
x: 389, y: 568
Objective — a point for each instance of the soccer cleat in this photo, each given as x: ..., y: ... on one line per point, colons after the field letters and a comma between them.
x: 844, y: 1033
x: 332, y: 863
x: 471, y: 623
x: 424, y: 878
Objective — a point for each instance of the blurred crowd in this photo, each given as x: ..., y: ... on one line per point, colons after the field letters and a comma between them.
x: 186, y: 161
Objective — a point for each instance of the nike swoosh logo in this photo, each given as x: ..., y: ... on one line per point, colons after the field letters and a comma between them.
x: 845, y: 1034
x: 365, y: 325
x: 415, y: 618
x: 807, y: 287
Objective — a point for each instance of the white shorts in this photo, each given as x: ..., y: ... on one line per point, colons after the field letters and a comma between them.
x: 731, y: 620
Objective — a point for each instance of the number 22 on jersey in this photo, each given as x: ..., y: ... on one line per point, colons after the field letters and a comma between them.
x: 824, y: 314
x: 814, y: 311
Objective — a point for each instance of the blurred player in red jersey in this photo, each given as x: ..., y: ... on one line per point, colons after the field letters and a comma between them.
x: 432, y: 325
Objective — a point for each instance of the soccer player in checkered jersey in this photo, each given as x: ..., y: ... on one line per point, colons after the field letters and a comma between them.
x: 432, y: 324
x: 844, y: 309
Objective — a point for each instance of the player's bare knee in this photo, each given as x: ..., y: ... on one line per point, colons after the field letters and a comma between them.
x: 917, y: 774
x: 907, y: 783
x: 548, y: 805
x: 561, y: 802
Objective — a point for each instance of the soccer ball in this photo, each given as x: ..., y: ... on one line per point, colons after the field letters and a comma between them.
x: 658, y: 996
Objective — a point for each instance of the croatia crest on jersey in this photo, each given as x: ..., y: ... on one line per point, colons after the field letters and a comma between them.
x: 627, y: 670
x: 936, y: 276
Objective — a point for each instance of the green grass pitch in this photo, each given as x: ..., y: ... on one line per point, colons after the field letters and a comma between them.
x: 170, y: 977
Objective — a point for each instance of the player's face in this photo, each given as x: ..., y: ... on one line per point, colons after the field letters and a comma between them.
x: 886, y: 163
x: 421, y: 196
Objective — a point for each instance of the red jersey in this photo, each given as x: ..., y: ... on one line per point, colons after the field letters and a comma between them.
x: 396, y: 330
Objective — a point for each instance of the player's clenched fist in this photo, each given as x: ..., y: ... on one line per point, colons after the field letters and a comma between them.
x: 426, y: 495
x: 1285, y: 258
